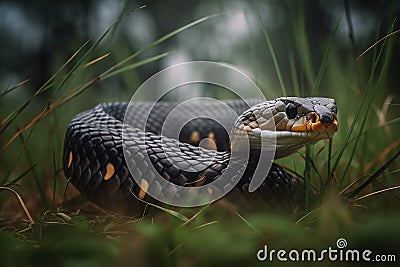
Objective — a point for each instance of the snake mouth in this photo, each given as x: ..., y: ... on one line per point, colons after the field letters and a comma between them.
x: 316, y: 124
x: 310, y: 127
x: 305, y: 130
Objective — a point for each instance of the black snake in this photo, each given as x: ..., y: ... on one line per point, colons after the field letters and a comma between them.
x: 94, y: 160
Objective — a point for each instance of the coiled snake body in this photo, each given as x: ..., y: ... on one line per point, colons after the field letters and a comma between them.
x: 95, y: 164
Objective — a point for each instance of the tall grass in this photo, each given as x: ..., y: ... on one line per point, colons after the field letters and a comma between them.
x: 343, y: 198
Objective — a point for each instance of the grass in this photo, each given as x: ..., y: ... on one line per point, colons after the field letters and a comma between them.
x: 45, y: 222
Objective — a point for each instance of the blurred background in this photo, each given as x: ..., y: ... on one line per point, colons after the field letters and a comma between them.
x: 38, y: 36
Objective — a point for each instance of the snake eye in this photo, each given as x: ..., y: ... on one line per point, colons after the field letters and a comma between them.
x: 332, y: 107
x: 291, y: 111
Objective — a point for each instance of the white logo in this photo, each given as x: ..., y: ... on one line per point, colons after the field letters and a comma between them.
x: 341, y: 243
x: 328, y: 254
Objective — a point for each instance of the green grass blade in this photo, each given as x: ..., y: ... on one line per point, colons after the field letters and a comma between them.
x: 7, y: 176
x: 47, y: 85
x: 295, y: 80
x: 353, y: 124
x: 196, y: 215
x: 18, y: 158
x: 166, y: 210
x: 14, y: 114
x: 366, y: 91
x: 22, y: 175
x: 90, y: 50
x: 10, y: 117
x: 170, y: 212
x: 361, y: 130
x: 155, y: 43
x: 350, y: 26
x: 387, y: 123
x: 272, y: 52
x: 172, y: 34
x: 54, y: 176
x: 324, y: 184
x: 329, y: 159
x: 135, y: 65
x: 341, y: 152
x: 356, y: 141
x: 297, y: 14
x: 9, y: 90
x: 307, y: 177
x: 60, y: 102
x: 83, y: 58
x: 31, y: 163
x: 131, y: 57
x: 374, y: 176
x: 252, y: 227
x: 325, y: 59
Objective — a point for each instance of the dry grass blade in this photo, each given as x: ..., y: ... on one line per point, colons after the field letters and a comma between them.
x: 7, y: 121
x: 175, y: 249
x: 377, y: 192
x: 27, y: 126
x: 28, y: 154
x: 374, y: 176
x: 155, y: 43
x: 381, y: 156
x: 385, y: 186
x: 6, y: 91
x: 169, y: 211
x: 92, y: 47
x: 249, y: 224
x: 369, y: 86
x: 96, y: 60
x: 352, y: 184
x: 21, y: 201
x: 302, y: 218
x: 377, y: 42
x: 10, y: 118
x: 204, y: 225
x: 195, y: 215
x: 14, y: 181
x: 135, y: 65
x: 50, y: 107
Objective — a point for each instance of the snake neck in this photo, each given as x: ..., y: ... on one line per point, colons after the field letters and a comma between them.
x: 179, y: 163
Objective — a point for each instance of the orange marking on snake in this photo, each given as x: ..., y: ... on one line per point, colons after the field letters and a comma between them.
x: 109, y: 171
x: 211, y: 142
x: 200, y: 181
x: 144, y: 186
x: 195, y: 137
x: 70, y: 159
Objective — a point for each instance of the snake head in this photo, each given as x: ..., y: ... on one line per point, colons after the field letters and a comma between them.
x: 289, y: 123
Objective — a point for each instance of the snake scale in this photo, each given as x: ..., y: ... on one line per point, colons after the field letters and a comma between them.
x: 95, y: 164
